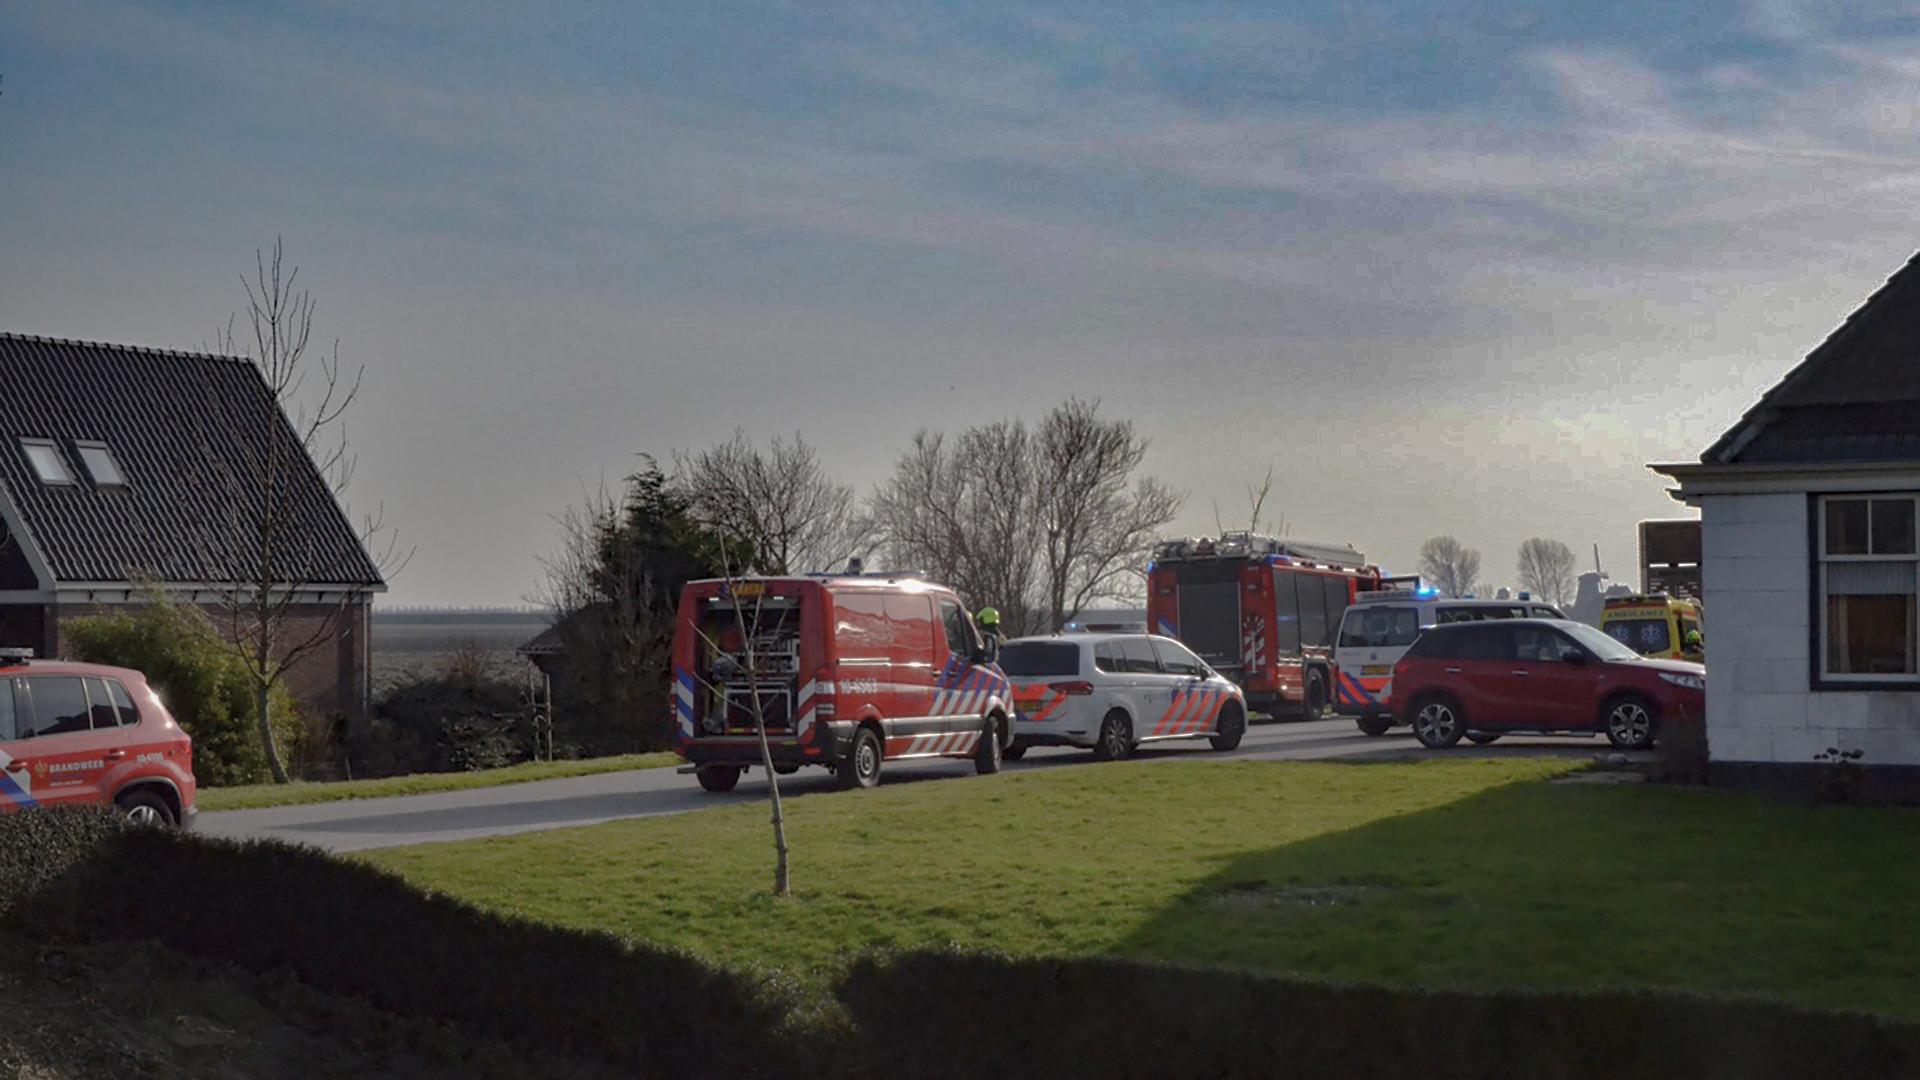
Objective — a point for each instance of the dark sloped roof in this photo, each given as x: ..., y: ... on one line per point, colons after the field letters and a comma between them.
x: 1855, y: 398
x: 194, y: 434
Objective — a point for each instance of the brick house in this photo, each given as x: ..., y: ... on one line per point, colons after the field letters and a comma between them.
x: 121, y: 465
x: 1809, y: 561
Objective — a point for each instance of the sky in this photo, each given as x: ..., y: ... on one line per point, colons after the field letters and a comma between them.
x: 1456, y: 267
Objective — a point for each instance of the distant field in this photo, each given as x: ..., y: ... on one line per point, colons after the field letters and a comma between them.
x: 409, y: 644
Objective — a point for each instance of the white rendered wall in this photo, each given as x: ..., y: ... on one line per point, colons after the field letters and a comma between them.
x: 1755, y: 573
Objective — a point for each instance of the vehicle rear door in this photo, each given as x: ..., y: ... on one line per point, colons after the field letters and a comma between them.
x: 1146, y: 689
x: 1482, y: 670
x: 66, y: 744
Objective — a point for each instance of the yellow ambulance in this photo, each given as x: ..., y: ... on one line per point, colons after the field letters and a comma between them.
x: 1656, y: 624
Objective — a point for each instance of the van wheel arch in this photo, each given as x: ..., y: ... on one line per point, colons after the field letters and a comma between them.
x: 865, y: 758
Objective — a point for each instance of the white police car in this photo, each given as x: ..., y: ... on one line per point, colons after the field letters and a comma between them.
x: 1110, y: 692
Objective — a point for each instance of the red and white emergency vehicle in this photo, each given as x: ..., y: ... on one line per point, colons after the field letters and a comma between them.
x: 74, y: 733
x: 850, y: 671
x: 1261, y: 610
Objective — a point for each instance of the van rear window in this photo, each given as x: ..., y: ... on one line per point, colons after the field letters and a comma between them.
x: 1031, y: 659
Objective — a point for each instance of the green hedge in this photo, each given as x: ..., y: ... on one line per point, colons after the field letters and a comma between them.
x: 346, y: 928
x: 1105, y: 1018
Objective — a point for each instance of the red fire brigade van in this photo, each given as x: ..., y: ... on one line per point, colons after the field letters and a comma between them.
x: 849, y: 671
x: 1261, y: 610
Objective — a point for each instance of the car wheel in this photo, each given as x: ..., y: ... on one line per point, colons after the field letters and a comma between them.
x: 1630, y: 722
x: 1015, y: 752
x: 1229, y: 727
x: 861, y: 769
x: 1438, y: 723
x: 987, y: 760
x: 146, y: 808
x: 1116, y: 737
x: 1313, y: 700
x: 719, y: 777
x: 1374, y: 725
x: 1482, y: 738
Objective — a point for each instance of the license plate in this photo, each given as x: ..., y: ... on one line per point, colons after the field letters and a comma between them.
x: 1027, y: 704
x: 1377, y: 669
x: 748, y: 588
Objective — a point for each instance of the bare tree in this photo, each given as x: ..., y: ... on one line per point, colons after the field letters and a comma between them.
x: 779, y: 501
x: 1038, y: 523
x: 1545, y: 568
x: 962, y: 511
x: 1450, y: 565
x: 288, y: 435
x: 1095, y: 524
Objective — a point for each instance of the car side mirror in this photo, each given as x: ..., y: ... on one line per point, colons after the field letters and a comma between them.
x: 1573, y: 656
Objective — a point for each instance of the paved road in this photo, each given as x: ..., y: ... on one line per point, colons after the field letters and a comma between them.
x: 588, y: 800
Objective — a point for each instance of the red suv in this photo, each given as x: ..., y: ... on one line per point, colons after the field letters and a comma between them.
x: 88, y: 733
x: 1541, y: 676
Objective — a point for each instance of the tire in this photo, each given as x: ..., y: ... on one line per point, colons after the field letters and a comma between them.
x: 1376, y: 724
x: 1229, y: 727
x: 861, y: 769
x: 987, y: 761
x: 1482, y: 738
x: 1015, y: 752
x: 1438, y: 722
x: 146, y: 808
x: 1313, y: 699
x: 1630, y: 722
x: 719, y: 778
x: 1116, y: 737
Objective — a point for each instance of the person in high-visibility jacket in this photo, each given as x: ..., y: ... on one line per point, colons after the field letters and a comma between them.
x: 1693, y: 644
x: 989, y: 622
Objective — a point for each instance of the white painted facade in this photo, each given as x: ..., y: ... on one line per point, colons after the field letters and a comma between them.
x: 1758, y: 575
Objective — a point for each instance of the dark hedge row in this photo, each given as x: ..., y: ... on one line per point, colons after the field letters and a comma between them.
x: 1064, y: 1019
x: 345, y: 928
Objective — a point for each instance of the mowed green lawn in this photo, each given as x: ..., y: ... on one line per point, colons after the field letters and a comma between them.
x: 1471, y: 873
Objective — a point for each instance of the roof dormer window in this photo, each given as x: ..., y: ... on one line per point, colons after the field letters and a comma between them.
x: 100, y: 464
x: 47, y: 463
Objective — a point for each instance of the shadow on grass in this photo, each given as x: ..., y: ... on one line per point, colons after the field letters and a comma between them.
x: 1570, y: 885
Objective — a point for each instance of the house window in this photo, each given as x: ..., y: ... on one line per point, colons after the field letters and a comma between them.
x: 100, y: 464
x: 47, y: 463
x: 1866, y: 579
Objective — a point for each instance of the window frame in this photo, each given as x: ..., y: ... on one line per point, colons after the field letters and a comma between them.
x: 106, y: 456
x: 1820, y: 560
x: 52, y: 457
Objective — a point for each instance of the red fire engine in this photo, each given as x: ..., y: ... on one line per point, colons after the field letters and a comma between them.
x: 1261, y: 610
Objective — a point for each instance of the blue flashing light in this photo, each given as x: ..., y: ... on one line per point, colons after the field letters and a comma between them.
x: 1429, y: 592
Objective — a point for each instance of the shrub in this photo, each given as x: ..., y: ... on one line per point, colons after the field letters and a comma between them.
x: 347, y: 928
x: 206, y: 685
x: 38, y: 847
x: 461, y: 716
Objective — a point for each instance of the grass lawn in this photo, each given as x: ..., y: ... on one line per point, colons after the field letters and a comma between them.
x: 1469, y: 873
x: 251, y: 796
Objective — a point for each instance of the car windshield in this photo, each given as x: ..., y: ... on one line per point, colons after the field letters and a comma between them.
x: 1600, y: 644
x: 1031, y: 659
